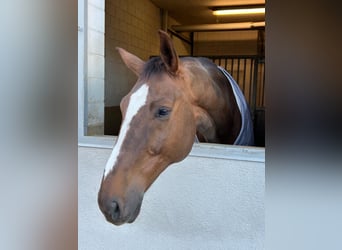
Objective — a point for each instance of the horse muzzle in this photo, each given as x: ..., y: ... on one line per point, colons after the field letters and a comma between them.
x: 119, y: 211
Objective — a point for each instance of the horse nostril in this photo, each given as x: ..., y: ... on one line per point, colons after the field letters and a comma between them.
x: 114, y: 210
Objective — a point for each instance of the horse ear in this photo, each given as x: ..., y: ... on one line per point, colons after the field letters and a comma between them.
x: 133, y: 62
x: 168, y: 53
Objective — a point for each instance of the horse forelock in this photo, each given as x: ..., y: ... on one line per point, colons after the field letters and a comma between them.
x: 155, y: 66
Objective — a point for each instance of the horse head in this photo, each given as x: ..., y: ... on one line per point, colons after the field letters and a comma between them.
x: 158, y: 129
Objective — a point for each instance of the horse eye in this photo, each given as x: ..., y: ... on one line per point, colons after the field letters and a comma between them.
x: 163, y: 112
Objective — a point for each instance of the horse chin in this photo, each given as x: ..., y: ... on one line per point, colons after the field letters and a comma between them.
x: 135, y: 214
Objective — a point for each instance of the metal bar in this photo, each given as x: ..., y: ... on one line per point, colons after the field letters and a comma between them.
x: 255, y: 81
x: 244, y: 75
x: 192, y: 43
x: 238, y: 72
x: 263, y: 87
x: 232, y: 66
x: 250, y: 81
x: 180, y: 36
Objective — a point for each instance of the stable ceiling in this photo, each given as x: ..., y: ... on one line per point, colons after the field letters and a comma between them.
x: 190, y: 12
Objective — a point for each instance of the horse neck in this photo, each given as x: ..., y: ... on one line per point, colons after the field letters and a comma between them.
x: 213, y: 95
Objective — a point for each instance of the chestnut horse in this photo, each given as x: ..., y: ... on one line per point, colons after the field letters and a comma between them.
x: 173, y: 101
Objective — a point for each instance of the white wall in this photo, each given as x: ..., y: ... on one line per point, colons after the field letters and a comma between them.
x: 95, y: 66
x: 81, y: 72
x: 200, y: 203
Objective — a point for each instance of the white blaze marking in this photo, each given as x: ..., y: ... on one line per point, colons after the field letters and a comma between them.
x: 136, y: 102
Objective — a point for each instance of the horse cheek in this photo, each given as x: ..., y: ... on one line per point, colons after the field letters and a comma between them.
x: 184, y: 138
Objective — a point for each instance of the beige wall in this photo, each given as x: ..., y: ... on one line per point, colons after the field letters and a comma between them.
x: 226, y: 43
x: 183, y: 48
x: 132, y: 25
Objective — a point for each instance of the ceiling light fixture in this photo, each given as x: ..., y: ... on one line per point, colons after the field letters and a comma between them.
x: 239, y: 10
x: 218, y: 26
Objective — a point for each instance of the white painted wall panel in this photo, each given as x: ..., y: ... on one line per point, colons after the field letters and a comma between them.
x: 199, y: 203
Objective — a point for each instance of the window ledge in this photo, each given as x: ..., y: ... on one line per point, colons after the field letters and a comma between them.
x: 206, y: 150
